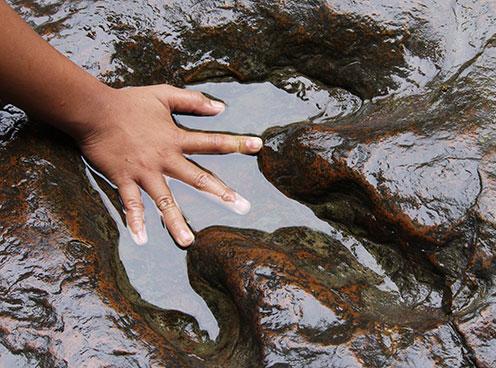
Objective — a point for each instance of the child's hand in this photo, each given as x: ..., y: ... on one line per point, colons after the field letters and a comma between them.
x: 134, y: 142
x: 128, y: 134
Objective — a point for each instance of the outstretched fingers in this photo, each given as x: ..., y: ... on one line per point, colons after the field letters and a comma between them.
x: 196, y: 142
x: 134, y: 210
x: 158, y: 189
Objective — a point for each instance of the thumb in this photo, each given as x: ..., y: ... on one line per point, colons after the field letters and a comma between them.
x: 189, y: 101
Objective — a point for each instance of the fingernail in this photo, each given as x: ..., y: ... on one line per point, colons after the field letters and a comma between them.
x: 254, y: 144
x: 140, y: 238
x: 240, y: 205
x: 186, y: 237
x: 217, y: 105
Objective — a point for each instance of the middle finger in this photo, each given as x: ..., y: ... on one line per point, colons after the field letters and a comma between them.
x: 192, y: 174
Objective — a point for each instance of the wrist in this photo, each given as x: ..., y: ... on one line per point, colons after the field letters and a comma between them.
x: 85, y: 112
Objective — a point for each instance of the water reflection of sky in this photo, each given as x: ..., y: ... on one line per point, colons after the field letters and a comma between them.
x: 158, y: 270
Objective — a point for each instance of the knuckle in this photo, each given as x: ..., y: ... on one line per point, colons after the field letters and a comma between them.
x: 217, y: 141
x: 179, y: 137
x: 239, y: 144
x: 133, y: 204
x: 165, y: 203
x: 227, y: 195
x: 201, y: 180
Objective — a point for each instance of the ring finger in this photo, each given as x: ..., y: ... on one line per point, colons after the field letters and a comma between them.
x: 158, y: 189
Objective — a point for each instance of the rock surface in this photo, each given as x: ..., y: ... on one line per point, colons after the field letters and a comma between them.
x: 405, y: 175
x: 310, y: 303
x: 60, y: 304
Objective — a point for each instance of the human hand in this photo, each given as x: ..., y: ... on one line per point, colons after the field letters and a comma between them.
x: 128, y: 134
x: 134, y: 141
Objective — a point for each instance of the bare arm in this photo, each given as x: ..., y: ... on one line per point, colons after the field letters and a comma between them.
x: 127, y: 133
x: 35, y: 76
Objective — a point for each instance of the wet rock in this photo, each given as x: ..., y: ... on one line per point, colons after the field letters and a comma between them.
x: 311, y: 303
x: 413, y: 170
x: 371, y: 49
x: 60, y: 304
x: 401, y: 152
x: 478, y: 330
x: 403, y: 171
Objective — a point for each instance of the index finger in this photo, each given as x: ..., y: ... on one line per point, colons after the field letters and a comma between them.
x: 197, y: 142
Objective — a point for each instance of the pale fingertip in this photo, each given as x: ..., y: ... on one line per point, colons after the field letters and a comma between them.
x: 240, y: 205
x: 186, y: 238
x: 217, y: 106
x: 254, y: 144
x: 140, y: 237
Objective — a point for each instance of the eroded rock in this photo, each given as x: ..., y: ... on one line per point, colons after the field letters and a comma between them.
x: 310, y: 303
x: 403, y: 172
x: 60, y: 305
x: 414, y: 170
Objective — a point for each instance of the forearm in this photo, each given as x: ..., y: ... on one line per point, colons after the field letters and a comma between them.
x: 37, y: 78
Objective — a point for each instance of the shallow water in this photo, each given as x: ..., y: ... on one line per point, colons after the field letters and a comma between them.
x: 398, y: 56
x: 158, y: 270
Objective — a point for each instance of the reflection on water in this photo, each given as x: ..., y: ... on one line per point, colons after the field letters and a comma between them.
x: 158, y: 270
x: 252, y: 108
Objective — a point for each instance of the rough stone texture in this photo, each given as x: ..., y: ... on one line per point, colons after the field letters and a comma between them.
x: 60, y: 304
x: 417, y: 170
x: 311, y: 304
x: 408, y: 184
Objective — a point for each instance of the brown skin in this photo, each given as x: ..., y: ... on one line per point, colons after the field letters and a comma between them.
x: 128, y: 133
